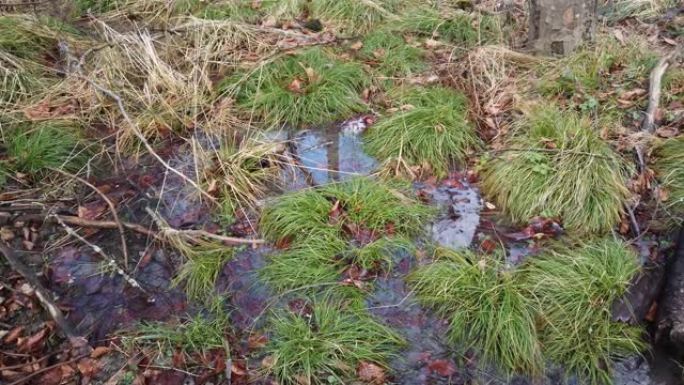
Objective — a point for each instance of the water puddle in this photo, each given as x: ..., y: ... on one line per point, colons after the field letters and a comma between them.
x: 100, y: 301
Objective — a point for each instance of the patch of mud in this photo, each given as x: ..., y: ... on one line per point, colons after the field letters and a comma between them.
x: 249, y: 296
x: 100, y: 301
x: 459, y: 206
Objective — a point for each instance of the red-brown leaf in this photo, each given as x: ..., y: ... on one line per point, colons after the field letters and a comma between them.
x: 370, y: 373
x: 444, y: 368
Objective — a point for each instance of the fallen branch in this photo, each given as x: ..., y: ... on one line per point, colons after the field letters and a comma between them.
x: 112, y: 209
x: 42, y: 293
x: 655, y: 81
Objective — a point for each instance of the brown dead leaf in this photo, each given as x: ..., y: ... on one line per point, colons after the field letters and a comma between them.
x: 311, y: 74
x: 488, y: 246
x: 295, y: 86
x: 6, y: 233
x: 444, y: 368
x: 100, y: 351
x: 619, y: 36
x: 13, y: 335
x: 357, y: 45
x: 667, y: 131
x: 370, y: 373
x: 632, y: 94
x: 257, y: 341
x: 87, y: 367
x: 34, y: 342
x: 432, y: 43
x: 302, y: 379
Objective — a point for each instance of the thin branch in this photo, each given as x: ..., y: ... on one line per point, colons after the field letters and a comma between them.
x: 112, y: 209
x: 42, y: 293
x: 47, y: 368
x: 655, y: 81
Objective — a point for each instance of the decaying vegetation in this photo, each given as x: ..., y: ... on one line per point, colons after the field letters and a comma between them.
x: 146, y: 147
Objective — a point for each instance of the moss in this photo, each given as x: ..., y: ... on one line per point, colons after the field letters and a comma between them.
x: 429, y: 130
x: 308, y: 88
x: 391, y: 55
x: 330, y: 342
x: 487, y: 308
x: 669, y: 167
x: 556, y: 166
x: 575, y: 287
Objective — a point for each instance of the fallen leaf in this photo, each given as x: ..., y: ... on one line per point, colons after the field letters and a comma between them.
x: 370, y: 373
x: 257, y: 341
x: 13, y: 335
x: 100, y: 351
x: 444, y: 368
x: 268, y: 362
x: 357, y: 45
x: 33, y: 342
x: 619, y: 36
x: 667, y: 132
x: 432, y: 43
x: 295, y: 86
x: 631, y: 94
x: 488, y: 246
x: 311, y: 74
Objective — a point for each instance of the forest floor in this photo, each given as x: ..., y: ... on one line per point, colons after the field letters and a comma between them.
x: 331, y: 192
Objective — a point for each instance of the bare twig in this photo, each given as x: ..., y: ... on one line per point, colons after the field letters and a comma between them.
x: 112, y: 208
x: 41, y: 292
x: 136, y: 131
x: 81, y: 222
x: 655, y: 88
x: 48, y: 368
x: 98, y: 250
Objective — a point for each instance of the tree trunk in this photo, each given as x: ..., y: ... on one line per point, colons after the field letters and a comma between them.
x: 671, y: 305
x: 557, y: 27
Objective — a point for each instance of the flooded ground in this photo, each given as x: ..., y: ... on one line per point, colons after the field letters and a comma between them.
x: 101, y: 302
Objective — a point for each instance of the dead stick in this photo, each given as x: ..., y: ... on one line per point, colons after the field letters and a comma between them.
x: 47, y: 368
x: 141, y: 137
x: 655, y: 81
x: 41, y: 292
x: 112, y: 209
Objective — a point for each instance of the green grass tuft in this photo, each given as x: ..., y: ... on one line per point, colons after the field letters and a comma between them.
x: 430, y: 130
x: 556, y: 166
x: 487, y: 308
x: 457, y: 27
x: 360, y: 221
x: 201, y: 269
x: 669, y: 166
x: 328, y: 344
x: 391, y: 55
x: 200, y: 333
x: 33, y: 148
x: 356, y: 16
x: 309, y: 88
x: 575, y: 288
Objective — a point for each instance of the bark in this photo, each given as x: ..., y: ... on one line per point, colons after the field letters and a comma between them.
x: 671, y: 310
x: 557, y: 27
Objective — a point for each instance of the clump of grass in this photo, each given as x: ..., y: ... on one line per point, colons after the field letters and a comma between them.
x: 242, y: 173
x: 595, y: 67
x: 459, y: 27
x: 202, y: 267
x: 359, y: 221
x: 328, y: 343
x: 356, y: 16
x: 309, y: 88
x: 34, y: 148
x: 23, y: 37
x: 669, y: 166
x: 391, y: 55
x: 487, y: 307
x: 430, y: 129
x: 575, y: 289
x: 201, y: 333
x: 19, y: 79
x: 556, y: 166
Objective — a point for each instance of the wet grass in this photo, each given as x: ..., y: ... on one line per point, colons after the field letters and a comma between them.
x: 311, y: 87
x: 198, y: 334
x: 202, y: 267
x: 669, y: 167
x: 555, y: 165
x: 33, y: 148
x: 391, y: 55
x: 358, y: 222
x: 429, y: 130
x: 487, y: 308
x: 327, y: 344
x: 575, y: 288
